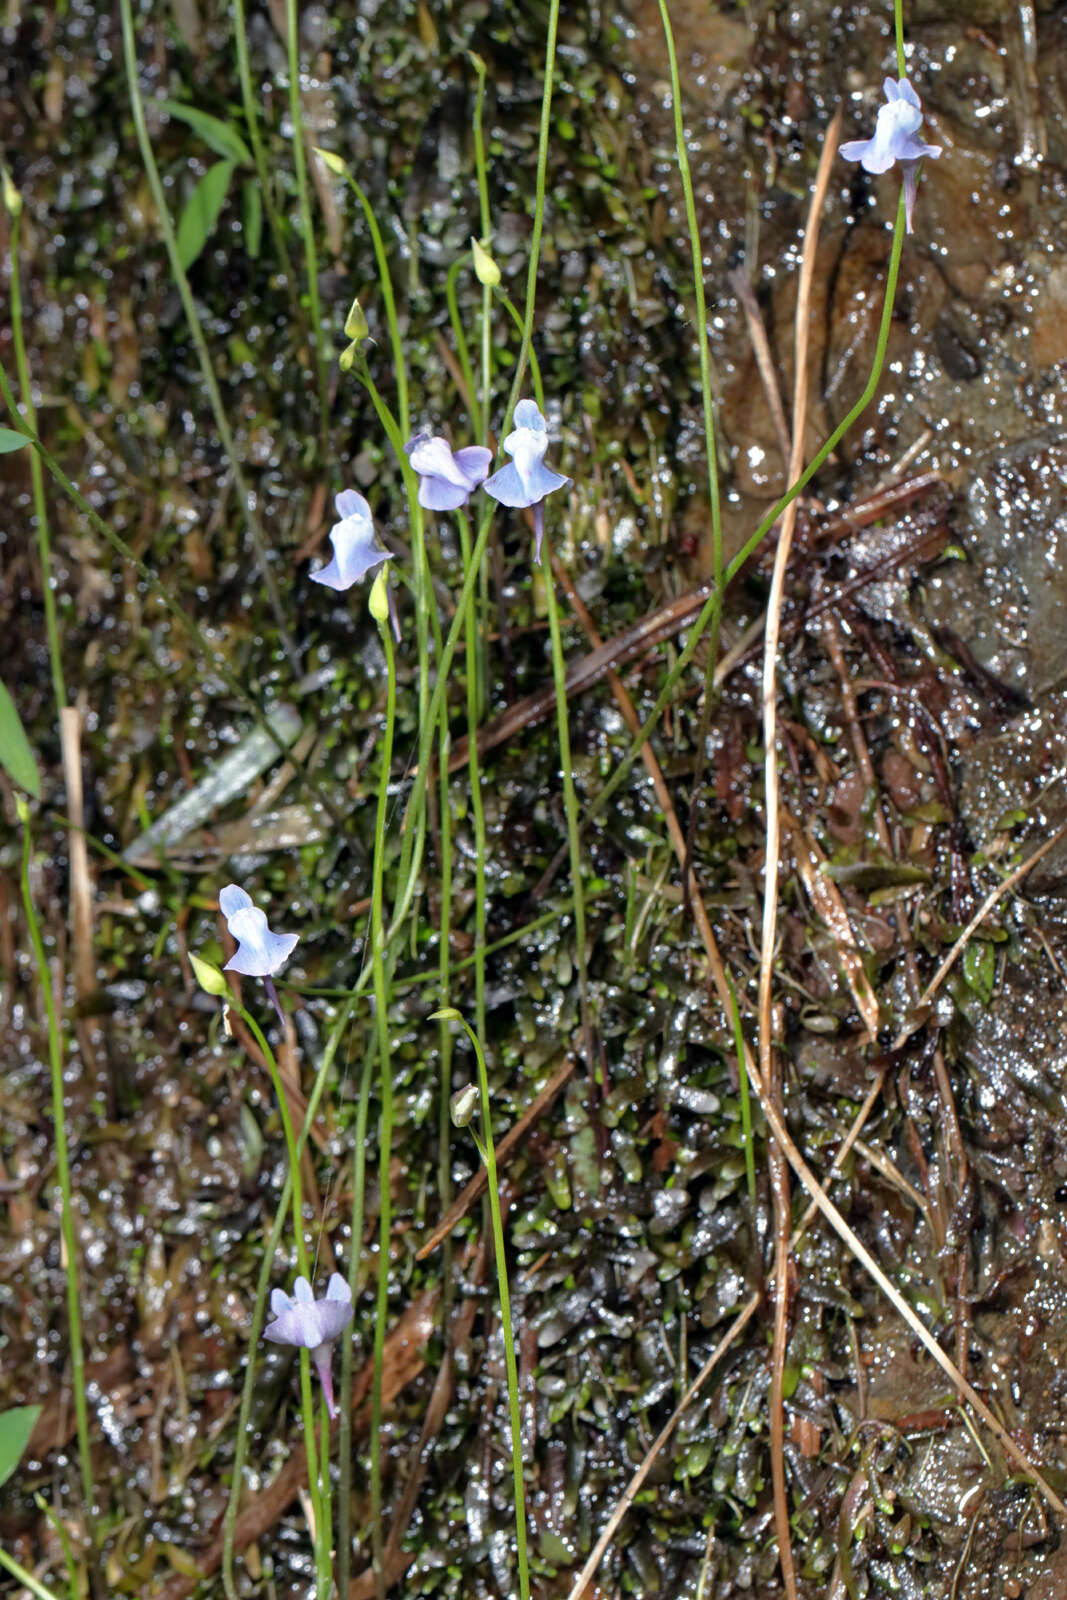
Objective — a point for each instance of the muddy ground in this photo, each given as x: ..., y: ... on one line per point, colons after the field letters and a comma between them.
x: 924, y: 735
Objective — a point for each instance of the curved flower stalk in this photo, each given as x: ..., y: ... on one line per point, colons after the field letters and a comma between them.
x: 447, y: 478
x: 526, y: 481
x: 895, y: 139
x: 310, y: 1324
x: 259, y: 952
x: 355, y: 548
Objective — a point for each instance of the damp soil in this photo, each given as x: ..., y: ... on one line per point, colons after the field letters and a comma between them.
x: 924, y: 735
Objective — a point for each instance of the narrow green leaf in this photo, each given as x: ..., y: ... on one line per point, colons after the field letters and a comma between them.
x: 252, y: 216
x: 15, y: 752
x: 201, y: 213
x: 15, y: 1429
x: 10, y: 440
x: 222, y: 138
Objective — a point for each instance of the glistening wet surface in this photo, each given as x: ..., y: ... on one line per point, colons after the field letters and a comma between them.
x: 633, y: 1238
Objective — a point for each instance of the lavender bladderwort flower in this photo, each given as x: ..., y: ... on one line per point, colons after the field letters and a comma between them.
x: 525, y: 481
x: 310, y: 1324
x: 895, y: 139
x: 447, y: 478
x: 259, y: 952
x: 355, y: 551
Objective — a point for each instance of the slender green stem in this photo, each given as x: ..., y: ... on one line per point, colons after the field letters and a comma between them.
x: 196, y: 332
x: 40, y: 507
x: 570, y: 803
x: 413, y: 840
x: 480, y: 166
x: 444, y: 992
x: 459, y: 339
x: 59, y: 1123
x: 535, y: 369
x: 898, y: 24
x: 307, y: 1406
x: 27, y: 1579
x: 697, y: 255
x: 266, y: 1272
x: 58, y: 1527
x: 355, y: 1264
x: 478, y: 664
x: 734, y: 567
x: 311, y: 260
x: 475, y: 791
x: 389, y: 301
x: 324, y: 1530
x: 259, y: 156
x: 489, y: 1157
x: 159, y: 589
x: 385, y: 1143
x: 539, y: 213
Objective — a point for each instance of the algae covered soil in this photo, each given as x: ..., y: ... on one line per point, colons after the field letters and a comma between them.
x: 923, y: 726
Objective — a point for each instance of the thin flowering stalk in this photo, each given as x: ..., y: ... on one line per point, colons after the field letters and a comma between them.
x: 413, y: 840
x: 474, y: 768
x: 898, y: 29
x: 538, y: 215
x: 311, y: 261
x: 396, y: 430
x: 570, y: 806
x: 488, y: 1154
x: 480, y: 663
x: 307, y: 1408
x: 13, y: 202
x: 700, y: 624
x: 27, y: 1579
x: 266, y: 1273
x: 696, y: 255
x: 66, y: 1215
x: 355, y: 1260
x: 381, y: 1017
x: 462, y: 348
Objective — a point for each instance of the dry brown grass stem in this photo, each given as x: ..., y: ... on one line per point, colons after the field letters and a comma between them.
x: 995, y: 894
x: 81, y: 888
x: 757, y: 334
x: 770, y: 1070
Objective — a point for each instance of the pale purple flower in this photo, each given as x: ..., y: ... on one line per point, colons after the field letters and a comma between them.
x: 259, y: 952
x: 311, y: 1324
x: 447, y: 478
x: 525, y: 481
x: 895, y: 139
x: 355, y: 551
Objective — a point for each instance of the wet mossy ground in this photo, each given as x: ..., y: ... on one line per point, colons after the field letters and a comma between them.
x: 633, y: 1238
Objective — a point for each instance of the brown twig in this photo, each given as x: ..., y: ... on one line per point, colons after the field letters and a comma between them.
x: 739, y: 282
x: 770, y: 1068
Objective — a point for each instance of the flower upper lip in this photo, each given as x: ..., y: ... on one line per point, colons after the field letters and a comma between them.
x: 301, y: 1320
x: 259, y: 952
x: 447, y: 478
x: 355, y: 549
